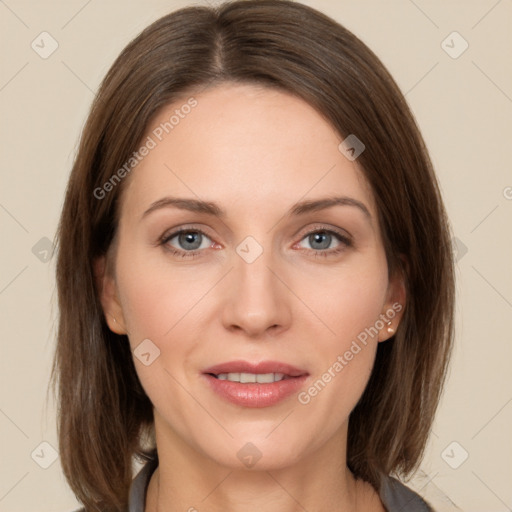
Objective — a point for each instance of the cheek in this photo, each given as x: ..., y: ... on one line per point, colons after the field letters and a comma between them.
x: 155, y: 298
x: 347, y: 301
x: 160, y: 305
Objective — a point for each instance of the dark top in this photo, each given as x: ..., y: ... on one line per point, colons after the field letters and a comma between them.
x: 395, y: 496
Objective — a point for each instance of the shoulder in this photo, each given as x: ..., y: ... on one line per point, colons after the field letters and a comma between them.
x: 138, y: 487
x: 398, y: 497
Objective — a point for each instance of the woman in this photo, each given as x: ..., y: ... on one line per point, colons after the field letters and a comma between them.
x: 202, y: 330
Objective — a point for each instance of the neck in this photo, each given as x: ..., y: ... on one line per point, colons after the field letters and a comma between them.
x: 186, y: 480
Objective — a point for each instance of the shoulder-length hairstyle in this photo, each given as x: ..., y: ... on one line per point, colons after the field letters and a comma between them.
x: 104, y: 415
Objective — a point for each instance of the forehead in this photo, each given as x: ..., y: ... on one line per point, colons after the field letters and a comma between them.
x: 246, y: 146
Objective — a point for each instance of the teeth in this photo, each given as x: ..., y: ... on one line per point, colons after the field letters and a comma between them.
x: 261, y: 378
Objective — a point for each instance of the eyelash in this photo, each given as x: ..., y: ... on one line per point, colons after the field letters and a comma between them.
x: 345, y: 242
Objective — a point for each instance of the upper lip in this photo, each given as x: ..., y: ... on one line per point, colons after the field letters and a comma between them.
x: 257, y: 368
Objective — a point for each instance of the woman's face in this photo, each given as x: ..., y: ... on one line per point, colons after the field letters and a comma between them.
x: 266, y: 280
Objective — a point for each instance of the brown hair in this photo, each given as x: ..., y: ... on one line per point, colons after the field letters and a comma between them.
x: 104, y: 414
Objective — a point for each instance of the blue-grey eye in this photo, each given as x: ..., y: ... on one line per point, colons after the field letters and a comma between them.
x: 320, y: 240
x: 189, y: 240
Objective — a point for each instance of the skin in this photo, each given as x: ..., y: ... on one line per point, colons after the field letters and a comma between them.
x: 255, y: 152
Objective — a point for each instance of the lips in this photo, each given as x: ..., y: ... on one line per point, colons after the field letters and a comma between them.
x: 251, y: 394
x: 259, y: 394
x: 256, y: 368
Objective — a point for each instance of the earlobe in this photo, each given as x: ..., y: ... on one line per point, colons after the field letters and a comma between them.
x: 107, y: 292
x: 394, y: 307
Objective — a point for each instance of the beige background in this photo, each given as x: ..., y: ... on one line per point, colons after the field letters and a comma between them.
x: 463, y: 106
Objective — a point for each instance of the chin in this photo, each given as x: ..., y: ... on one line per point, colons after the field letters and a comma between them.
x: 257, y: 452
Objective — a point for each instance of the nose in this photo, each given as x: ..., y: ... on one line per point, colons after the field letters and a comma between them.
x: 258, y: 301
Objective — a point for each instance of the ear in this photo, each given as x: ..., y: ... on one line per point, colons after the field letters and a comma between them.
x: 107, y: 290
x: 394, y: 306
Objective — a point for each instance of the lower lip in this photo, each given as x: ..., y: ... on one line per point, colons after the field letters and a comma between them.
x: 253, y: 394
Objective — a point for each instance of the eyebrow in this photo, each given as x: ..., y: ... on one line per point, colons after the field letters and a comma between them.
x: 300, y: 208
